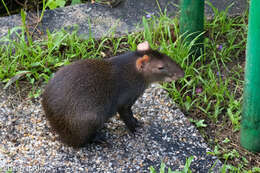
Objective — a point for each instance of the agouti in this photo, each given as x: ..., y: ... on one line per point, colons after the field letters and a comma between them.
x: 82, y: 96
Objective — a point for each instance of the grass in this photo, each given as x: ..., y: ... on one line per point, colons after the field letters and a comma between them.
x: 213, y: 82
x: 186, y: 168
x: 210, y: 94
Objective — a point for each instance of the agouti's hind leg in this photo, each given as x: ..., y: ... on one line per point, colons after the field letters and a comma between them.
x: 100, y: 138
x: 89, y: 127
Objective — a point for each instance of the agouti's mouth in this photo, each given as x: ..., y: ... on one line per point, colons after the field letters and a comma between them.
x: 170, y: 79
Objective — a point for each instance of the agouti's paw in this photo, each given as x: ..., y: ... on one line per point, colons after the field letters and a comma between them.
x: 134, y: 125
x: 139, y: 124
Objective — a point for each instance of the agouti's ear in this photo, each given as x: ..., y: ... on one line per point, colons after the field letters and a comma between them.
x: 143, y: 46
x: 140, y: 62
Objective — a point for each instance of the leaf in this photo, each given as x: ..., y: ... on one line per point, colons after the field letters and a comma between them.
x: 256, y: 169
x: 36, y: 64
x: 152, y: 170
x: 16, y: 77
x: 226, y: 141
x: 188, y: 102
x: 200, y: 123
x: 61, y: 3
x: 170, y: 170
x: 162, y: 169
x: 59, y: 64
x: 74, y: 2
x: 52, y: 4
x: 187, y: 164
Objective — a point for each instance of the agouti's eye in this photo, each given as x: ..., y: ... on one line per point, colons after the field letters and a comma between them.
x: 160, y: 68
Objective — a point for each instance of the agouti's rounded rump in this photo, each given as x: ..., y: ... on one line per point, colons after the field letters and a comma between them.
x: 82, y: 96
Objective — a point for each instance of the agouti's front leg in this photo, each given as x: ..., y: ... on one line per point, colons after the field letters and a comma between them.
x: 126, y: 115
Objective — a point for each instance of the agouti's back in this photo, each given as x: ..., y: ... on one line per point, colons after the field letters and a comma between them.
x: 82, y: 96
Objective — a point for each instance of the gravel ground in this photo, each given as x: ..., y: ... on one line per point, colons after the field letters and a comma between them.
x: 28, y: 145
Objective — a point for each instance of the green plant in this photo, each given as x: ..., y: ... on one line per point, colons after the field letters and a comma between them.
x: 8, y: 171
x: 3, y: 2
x: 226, y: 141
x: 186, y: 168
x: 198, y: 123
x: 229, y: 168
x: 38, y: 60
x: 255, y: 169
x: 73, y: 2
x: 215, y: 152
x: 234, y: 112
x: 52, y: 4
x: 231, y: 154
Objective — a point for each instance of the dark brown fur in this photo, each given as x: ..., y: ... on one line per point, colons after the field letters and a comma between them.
x: 84, y: 95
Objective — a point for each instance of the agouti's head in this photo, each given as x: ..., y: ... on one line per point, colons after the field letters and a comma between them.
x: 156, y: 66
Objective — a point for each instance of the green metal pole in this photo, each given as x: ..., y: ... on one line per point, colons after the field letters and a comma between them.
x: 250, y: 125
x: 192, y: 22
